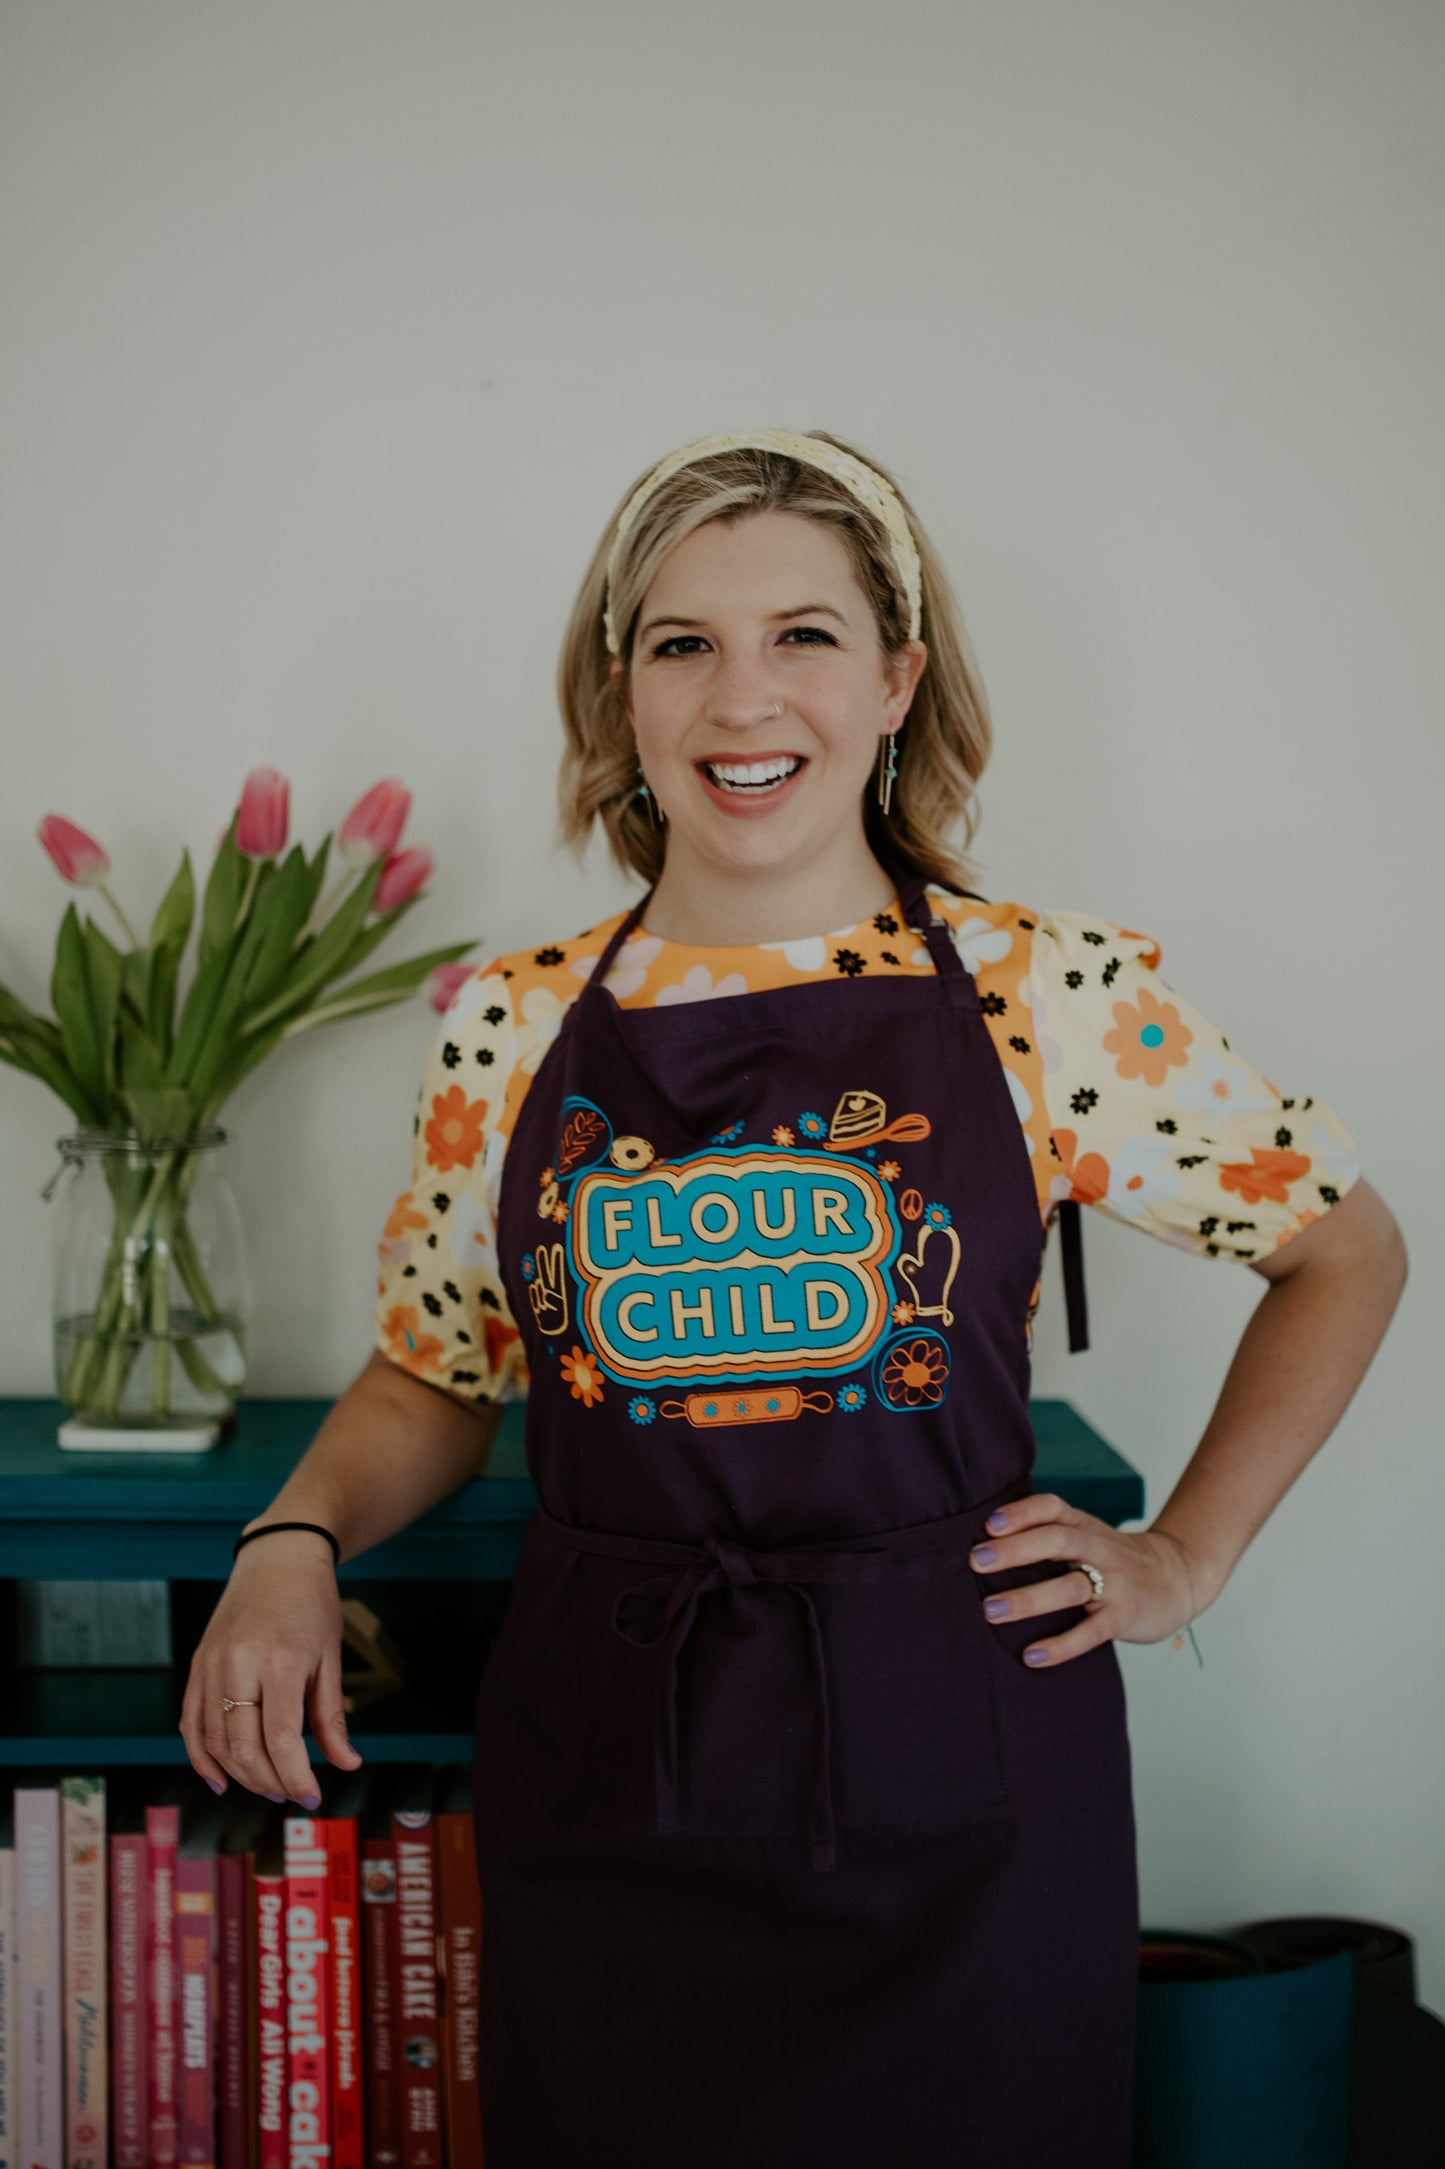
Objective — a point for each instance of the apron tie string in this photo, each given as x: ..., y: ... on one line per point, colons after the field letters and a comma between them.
x: 719, y: 1563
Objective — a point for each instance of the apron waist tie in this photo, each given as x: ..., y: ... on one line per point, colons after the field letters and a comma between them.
x: 719, y: 1563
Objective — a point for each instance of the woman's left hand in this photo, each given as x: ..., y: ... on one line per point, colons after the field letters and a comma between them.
x: 1149, y: 1589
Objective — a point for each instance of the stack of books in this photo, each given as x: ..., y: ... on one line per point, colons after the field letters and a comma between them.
x: 197, y: 1984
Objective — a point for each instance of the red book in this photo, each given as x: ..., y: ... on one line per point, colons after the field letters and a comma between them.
x: 162, y: 1837
x: 347, y: 2150
x: 82, y: 1850
x: 308, y: 1999
x: 378, y: 1917
x: 418, y: 2031
x: 235, y: 1915
x: 271, y: 2020
x: 130, y: 2062
x: 196, y: 2008
x: 460, y: 1898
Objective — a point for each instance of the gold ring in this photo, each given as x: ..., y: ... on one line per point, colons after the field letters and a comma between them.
x: 228, y: 1704
x: 1094, y: 1576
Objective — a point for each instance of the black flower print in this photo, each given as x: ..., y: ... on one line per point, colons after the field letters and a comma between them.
x: 885, y: 922
x: 1168, y: 1125
x: 449, y: 1287
x: 441, y: 1200
x: 507, y: 972
x: 1209, y: 1224
x: 488, y: 1297
x: 431, y: 1242
x: 888, y: 956
x: 1191, y: 1159
x: 485, y: 1056
x: 408, y: 1272
x: 550, y: 955
x: 451, y: 1054
x: 992, y: 1005
x: 495, y: 1014
x: 1073, y: 979
x: 1111, y: 971
x: 1329, y: 1193
x: 1092, y: 934
x: 431, y: 1303
x: 465, y: 1378
x: 1283, y: 1137
x: 1237, y: 1227
x: 461, y: 1336
x: 1020, y: 1045
x: 1027, y: 925
x: 848, y: 962
x: 1084, y: 1100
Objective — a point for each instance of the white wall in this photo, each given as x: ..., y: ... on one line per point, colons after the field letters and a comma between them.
x: 330, y: 334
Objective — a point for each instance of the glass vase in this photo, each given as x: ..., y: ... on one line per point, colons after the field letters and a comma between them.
x: 151, y: 1293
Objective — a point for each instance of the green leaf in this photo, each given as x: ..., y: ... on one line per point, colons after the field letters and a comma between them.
x: 157, y: 1111
x: 279, y: 917
x: 16, y: 1017
x: 197, y: 1013
x: 142, y: 1064
x: 331, y: 953
x: 107, y: 967
x: 225, y: 887
x: 316, y: 875
x: 224, y: 1026
x: 37, y: 1060
x: 170, y: 931
x: 135, y: 984
x: 71, y: 999
x: 403, y: 978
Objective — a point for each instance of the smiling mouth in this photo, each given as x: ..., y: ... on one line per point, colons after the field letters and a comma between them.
x: 752, y: 779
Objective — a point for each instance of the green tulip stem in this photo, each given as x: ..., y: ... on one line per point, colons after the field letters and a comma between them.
x: 130, y: 932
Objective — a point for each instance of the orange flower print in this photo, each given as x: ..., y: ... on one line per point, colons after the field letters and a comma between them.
x: 499, y: 1334
x: 403, y: 1215
x: 412, y: 1350
x: 889, y: 1170
x: 1149, y: 1038
x: 548, y: 1174
x: 1088, y: 1172
x: 1268, y: 1175
x: 782, y: 1135
x: 915, y: 1374
x: 584, y: 1375
x: 559, y: 1211
x: 903, y: 1314
x: 454, y: 1132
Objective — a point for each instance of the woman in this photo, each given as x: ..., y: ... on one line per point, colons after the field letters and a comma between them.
x: 802, y: 1792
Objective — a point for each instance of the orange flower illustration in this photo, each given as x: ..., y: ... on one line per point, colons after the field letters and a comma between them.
x: 782, y: 1135
x: 889, y: 1170
x: 903, y: 1314
x: 1149, y: 1038
x: 559, y: 1211
x: 1267, y: 1175
x: 412, y: 1350
x: 454, y: 1132
x: 584, y: 1375
x: 1088, y: 1172
x: 499, y: 1334
x: 915, y: 1374
x: 403, y: 1215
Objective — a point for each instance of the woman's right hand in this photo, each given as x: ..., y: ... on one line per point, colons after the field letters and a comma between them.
x: 273, y: 1639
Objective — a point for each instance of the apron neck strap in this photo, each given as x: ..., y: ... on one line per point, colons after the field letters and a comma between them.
x: 608, y: 957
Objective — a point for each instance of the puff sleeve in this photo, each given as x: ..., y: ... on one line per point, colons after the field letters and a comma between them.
x: 1155, y: 1118
x: 441, y: 1309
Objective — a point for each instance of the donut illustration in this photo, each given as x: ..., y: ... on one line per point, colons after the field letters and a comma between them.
x: 632, y: 1154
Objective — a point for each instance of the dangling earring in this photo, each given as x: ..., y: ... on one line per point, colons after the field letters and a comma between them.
x: 655, y: 818
x: 887, y: 768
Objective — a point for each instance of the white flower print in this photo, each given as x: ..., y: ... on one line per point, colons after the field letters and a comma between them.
x: 978, y: 942
x: 1335, y: 1164
x: 1142, y: 1174
x: 809, y: 954
x: 629, y: 967
x: 537, y: 1026
x: 469, y: 1230
x: 700, y: 986
x: 471, y: 998
x: 1023, y: 1103
x: 1220, y: 1086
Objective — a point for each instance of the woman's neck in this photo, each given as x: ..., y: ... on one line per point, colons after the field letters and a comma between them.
x: 708, y: 906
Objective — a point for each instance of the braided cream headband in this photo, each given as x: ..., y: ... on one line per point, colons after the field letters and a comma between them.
x: 865, y: 483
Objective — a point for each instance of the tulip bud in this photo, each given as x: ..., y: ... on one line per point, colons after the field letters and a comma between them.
x: 445, y: 980
x: 78, y: 857
x: 403, y: 874
x: 373, y: 827
x: 262, y: 821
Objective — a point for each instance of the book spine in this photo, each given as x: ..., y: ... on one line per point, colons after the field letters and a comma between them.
x: 82, y: 1848
x: 233, y: 2009
x: 196, y: 2002
x: 129, y: 2039
x: 271, y: 2021
x: 162, y: 1833
x: 308, y: 2001
x: 461, y: 1942
x: 418, y: 2032
x: 347, y: 2149
x: 9, y: 2134
x: 38, y: 2002
x: 378, y: 1914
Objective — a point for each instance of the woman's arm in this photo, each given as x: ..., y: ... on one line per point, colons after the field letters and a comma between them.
x: 1333, y: 1290
x: 391, y: 1448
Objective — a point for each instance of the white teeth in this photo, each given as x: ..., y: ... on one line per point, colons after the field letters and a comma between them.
x: 752, y: 775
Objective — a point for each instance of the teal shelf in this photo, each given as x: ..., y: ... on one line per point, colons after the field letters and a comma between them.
x: 135, y: 1517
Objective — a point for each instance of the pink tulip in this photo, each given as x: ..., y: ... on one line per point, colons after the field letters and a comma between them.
x: 265, y: 808
x: 79, y: 857
x: 403, y: 874
x: 374, y: 825
x: 445, y: 980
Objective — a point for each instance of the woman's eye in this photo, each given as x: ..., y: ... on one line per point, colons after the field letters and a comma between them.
x: 814, y: 633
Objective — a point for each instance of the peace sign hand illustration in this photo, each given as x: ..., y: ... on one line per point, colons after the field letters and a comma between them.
x: 548, y: 1292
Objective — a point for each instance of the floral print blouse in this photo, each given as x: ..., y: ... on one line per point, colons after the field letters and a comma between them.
x: 1128, y: 1100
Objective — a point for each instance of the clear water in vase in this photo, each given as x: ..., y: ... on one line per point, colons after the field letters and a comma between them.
x: 195, y: 1371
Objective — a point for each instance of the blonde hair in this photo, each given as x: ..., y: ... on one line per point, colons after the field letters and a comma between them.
x: 942, y: 747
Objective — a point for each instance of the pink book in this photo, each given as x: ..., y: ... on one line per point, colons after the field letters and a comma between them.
x: 378, y: 1914
x: 162, y: 1837
x: 196, y: 2005
x: 38, y: 1999
x: 308, y: 1999
x: 82, y: 1878
x: 346, y: 2130
x: 418, y: 2021
x: 271, y: 2020
x: 129, y: 2004
x: 235, y: 2002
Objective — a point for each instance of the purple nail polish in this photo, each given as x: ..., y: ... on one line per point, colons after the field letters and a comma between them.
x: 996, y: 1607
x: 215, y: 1784
x: 997, y: 1520
x: 1036, y: 1656
x: 310, y: 1800
x: 278, y: 1799
x: 985, y: 1555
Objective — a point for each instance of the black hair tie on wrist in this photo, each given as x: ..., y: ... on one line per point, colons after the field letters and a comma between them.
x: 269, y: 1529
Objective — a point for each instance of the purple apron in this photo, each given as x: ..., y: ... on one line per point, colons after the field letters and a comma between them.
x: 786, y: 1857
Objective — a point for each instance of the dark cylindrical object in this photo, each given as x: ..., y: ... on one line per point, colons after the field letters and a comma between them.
x: 1384, y: 1956
x: 1239, y: 2068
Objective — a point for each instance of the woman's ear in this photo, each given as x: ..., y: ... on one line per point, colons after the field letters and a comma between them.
x: 905, y: 668
x: 617, y: 672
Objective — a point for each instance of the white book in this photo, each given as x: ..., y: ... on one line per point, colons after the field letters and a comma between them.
x: 39, y: 1990
x: 9, y: 1988
x: 83, y: 1899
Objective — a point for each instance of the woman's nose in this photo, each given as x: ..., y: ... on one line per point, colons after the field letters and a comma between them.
x: 740, y: 698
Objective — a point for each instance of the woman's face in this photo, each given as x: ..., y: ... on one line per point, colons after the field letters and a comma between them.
x: 758, y: 692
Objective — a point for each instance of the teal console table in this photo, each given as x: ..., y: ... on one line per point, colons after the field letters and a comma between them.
x: 440, y: 1586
